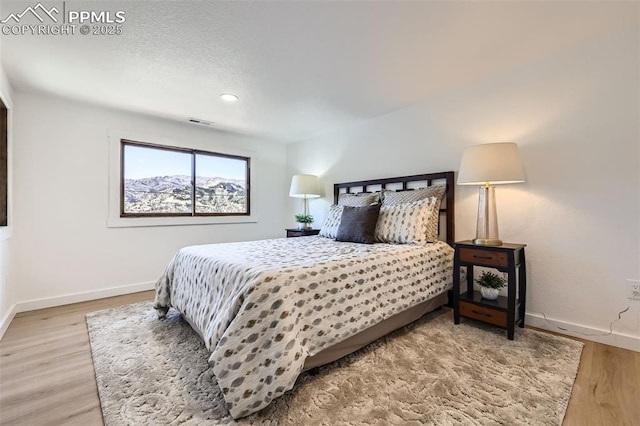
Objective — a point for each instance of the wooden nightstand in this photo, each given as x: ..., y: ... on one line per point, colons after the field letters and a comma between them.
x: 507, y: 258
x: 295, y: 232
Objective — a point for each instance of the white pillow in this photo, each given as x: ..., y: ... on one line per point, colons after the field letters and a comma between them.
x: 405, y: 223
x: 399, y: 197
x: 362, y: 199
x: 332, y: 222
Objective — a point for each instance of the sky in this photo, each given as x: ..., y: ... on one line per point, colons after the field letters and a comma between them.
x: 142, y: 162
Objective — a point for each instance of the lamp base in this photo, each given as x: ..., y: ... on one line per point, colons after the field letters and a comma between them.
x: 487, y: 225
x: 487, y: 242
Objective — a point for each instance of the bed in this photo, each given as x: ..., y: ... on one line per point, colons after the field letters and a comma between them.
x: 269, y: 310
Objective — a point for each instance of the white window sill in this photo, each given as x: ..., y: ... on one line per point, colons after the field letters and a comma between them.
x: 132, y: 222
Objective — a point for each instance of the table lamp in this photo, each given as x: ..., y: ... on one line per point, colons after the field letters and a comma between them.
x: 305, y: 187
x: 488, y: 165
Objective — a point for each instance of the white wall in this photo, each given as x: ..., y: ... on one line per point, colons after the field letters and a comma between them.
x: 7, y: 298
x: 62, y: 249
x: 575, y: 118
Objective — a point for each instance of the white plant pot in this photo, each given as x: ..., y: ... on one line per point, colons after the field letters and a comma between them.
x: 489, y: 293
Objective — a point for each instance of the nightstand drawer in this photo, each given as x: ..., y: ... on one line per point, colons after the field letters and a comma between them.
x: 483, y: 257
x: 293, y: 232
x: 471, y: 310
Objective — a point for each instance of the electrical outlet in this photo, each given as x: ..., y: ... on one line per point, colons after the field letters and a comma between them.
x: 633, y: 289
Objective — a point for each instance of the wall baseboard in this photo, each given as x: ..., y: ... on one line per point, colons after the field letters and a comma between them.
x: 49, y: 302
x: 619, y: 340
x: 4, y: 323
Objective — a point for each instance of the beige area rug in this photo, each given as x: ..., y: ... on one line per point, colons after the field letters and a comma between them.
x: 155, y: 372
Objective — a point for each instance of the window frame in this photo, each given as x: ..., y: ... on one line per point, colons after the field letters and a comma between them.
x: 4, y: 164
x: 193, y: 152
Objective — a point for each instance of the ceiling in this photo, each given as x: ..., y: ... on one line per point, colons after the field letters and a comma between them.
x: 299, y: 68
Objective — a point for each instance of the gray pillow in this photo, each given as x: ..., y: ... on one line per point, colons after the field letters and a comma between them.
x: 358, y: 224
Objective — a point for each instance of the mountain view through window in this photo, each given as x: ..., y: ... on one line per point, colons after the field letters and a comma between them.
x: 163, y: 181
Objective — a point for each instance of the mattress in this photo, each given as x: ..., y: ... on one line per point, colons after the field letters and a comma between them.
x: 264, y: 307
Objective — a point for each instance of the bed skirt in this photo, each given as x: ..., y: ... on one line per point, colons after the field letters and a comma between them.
x: 372, y: 334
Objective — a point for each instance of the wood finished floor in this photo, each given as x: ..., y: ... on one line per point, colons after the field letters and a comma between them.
x: 47, y: 376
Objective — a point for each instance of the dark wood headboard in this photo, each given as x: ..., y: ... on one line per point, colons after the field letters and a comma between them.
x: 404, y: 183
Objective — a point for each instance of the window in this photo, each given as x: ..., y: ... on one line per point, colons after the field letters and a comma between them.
x: 159, y: 180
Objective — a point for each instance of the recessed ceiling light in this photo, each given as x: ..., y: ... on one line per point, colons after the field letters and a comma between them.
x: 229, y: 97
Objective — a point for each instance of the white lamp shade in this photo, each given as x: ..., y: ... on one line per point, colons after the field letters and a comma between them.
x: 493, y: 163
x: 305, y: 186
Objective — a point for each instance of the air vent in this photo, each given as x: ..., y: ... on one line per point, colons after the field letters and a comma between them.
x: 201, y: 122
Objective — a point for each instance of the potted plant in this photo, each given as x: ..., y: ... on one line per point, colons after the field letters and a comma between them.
x: 304, y: 221
x: 490, y: 285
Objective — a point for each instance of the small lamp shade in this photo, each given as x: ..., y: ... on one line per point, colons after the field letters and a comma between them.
x: 305, y: 186
x: 487, y: 165
x: 492, y: 164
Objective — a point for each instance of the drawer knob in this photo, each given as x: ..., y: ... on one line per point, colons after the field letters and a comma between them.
x: 475, y: 256
x: 484, y: 314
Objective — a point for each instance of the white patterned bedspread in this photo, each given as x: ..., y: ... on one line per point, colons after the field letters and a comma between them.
x: 263, y: 307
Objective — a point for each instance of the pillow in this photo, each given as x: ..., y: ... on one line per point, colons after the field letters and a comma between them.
x: 399, y: 197
x: 330, y: 227
x: 405, y: 223
x: 358, y: 224
x: 358, y: 200
x: 411, y: 195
